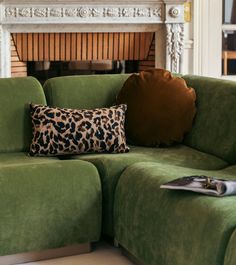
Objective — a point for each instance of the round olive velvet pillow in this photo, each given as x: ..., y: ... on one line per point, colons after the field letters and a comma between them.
x: 160, y: 110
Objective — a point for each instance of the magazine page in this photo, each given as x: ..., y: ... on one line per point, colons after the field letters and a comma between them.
x: 230, y: 187
x: 203, y: 184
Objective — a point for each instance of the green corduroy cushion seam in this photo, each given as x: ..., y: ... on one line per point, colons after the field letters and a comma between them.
x: 99, y: 162
x: 27, y: 164
x: 47, y: 86
x: 228, y: 242
x: 56, y: 161
x: 227, y: 162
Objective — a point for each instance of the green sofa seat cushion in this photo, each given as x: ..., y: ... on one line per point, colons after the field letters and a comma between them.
x: 15, y: 121
x: 48, y: 205
x: 172, y: 227
x: 214, y: 128
x: 111, y: 166
x: 87, y: 92
x: 230, y: 256
x: 21, y: 158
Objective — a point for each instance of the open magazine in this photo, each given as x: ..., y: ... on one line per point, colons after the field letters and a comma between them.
x: 203, y: 184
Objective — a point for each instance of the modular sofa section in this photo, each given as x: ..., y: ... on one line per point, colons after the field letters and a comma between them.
x: 230, y: 256
x: 172, y: 227
x: 48, y: 205
x: 214, y: 126
x: 87, y: 92
x: 111, y: 166
x: 100, y: 91
x: 15, y: 121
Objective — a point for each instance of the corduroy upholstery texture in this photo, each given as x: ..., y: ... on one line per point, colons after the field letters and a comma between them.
x: 214, y: 128
x: 230, y: 255
x: 84, y: 92
x: 44, y: 202
x: 160, y: 110
x: 15, y: 122
x: 110, y: 168
x: 48, y: 204
x: 173, y: 227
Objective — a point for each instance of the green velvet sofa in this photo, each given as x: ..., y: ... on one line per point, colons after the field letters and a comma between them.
x: 45, y: 203
x: 54, y: 202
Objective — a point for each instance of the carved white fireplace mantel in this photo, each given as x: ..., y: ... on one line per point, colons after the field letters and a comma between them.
x: 165, y: 18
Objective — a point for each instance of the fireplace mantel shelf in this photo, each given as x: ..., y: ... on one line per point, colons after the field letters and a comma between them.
x: 90, y: 1
x: 150, y: 12
x: 165, y: 17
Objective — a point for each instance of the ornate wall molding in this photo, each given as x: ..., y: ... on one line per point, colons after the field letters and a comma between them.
x: 174, y: 46
x: 152, y: 13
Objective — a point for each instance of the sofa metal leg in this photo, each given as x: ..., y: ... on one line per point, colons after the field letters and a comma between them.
x: 45, y: 254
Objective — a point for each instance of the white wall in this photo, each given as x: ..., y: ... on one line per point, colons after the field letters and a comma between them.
x: 207, y: 23
x: 188, y: 48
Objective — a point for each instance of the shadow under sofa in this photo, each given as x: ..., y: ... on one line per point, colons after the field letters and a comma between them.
x: 155, y: 226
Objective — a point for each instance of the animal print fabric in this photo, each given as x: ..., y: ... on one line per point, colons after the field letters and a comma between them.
x: 58, y: 131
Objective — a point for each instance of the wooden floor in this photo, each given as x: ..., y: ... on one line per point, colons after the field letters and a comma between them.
x: 102, y: 254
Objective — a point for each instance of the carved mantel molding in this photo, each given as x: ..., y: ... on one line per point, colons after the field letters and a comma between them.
x: 94, y: 15
x: 152, y: 13
x: 174, y: 46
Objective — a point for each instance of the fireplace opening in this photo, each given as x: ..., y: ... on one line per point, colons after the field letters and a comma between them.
x: 46, y: 55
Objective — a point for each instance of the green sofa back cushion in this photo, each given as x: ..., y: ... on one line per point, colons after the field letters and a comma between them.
x: 214, y: 128
x: 15, y: 121
x: 87, y: 92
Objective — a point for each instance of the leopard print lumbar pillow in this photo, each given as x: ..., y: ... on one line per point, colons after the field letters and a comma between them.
x: 58, y: 131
